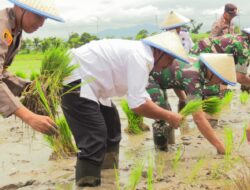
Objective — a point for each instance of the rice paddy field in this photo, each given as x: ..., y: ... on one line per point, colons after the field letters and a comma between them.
x: 27, y: 161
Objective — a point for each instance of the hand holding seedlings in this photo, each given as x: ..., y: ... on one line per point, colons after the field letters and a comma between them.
x: 43, y: 124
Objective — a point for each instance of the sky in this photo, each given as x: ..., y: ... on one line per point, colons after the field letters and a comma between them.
x: 97, y: 15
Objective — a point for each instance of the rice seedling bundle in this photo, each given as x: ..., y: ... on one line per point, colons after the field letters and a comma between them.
x: 62, y: 145
x: 212, y: 105
x: 55, y: 67
x: 134, y: 121
x: 191, y: 107
x: 44, y: 97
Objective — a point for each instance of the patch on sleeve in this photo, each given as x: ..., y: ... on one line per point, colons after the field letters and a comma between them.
x: 7, y: 37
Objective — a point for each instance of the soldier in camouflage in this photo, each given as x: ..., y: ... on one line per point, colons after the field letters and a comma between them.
x: 192, y: 79
x: 238, y: 45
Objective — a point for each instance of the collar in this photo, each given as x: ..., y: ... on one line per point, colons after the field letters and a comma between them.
x: 12, y: 20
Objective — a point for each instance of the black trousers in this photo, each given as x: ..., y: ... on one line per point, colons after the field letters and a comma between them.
x: 95, y: 127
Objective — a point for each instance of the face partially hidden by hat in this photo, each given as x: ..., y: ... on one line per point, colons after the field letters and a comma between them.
x: 220, y: 68
x: 167, y: 47
x: 231, y: 9
x: 31, y: 14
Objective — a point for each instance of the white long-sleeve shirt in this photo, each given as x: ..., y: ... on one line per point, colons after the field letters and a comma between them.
x: 113, y: 67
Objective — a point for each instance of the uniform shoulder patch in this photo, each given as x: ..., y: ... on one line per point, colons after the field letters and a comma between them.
x: 7, y: 37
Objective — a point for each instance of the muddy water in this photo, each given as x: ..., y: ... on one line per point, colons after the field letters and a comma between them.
x: 24, y: 160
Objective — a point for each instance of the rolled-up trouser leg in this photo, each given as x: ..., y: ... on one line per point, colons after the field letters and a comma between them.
x: 112, y: 120
x: 90, y: 133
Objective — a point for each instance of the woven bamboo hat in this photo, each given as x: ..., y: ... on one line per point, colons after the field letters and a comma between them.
x: 222, y: 65
x: 174, y: 20
x: 45, y: 8
x: 168, y: 42
x: 246, y: 30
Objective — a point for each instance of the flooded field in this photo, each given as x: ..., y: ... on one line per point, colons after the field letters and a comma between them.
x: 192, y: 163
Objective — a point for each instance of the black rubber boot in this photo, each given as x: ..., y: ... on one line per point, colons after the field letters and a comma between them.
x: 87, y: 174
x: 111, y: 159
x: 160, y: 136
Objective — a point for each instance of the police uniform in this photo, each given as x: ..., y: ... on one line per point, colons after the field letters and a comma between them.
x: 10, y: 86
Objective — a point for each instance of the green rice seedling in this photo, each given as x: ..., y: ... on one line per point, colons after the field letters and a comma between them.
x: 194, y: 173
x: 244, y: 136
x: 244, y: 97
x: 134, y: 120
x: 62, y: 145
x: 212, y: 105
x: 178, y: 155
x: 21, y: 74
x: 191, y: 107
x: 117, y: 179
x: 135, y: 176
x: 150, y: 173
x: 228, y: 142
x: 34, y: 75
x: 227, y: 99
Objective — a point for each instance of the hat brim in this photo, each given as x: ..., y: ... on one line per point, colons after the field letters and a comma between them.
x: 165, y: 50
x: 215, y: 72
x: 38, y: 12
x: 247, y: 30
x: 174, y: 26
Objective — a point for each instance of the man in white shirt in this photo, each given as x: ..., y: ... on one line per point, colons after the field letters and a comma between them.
x: 109, y: 68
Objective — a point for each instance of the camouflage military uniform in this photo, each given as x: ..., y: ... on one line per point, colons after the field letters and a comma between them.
x: 179, y: 75
x: 220, y: 27
x: 238, y: 45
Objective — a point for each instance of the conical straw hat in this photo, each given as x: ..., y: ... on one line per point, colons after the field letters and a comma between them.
x: 168, y: 42
x: 247, y: 30
x: 45, y: 8
x: 174, y: 20
x: 222, y: 65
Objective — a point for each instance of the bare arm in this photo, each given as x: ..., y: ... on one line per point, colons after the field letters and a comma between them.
x: 243, y: 79
x: 181, y: 94
x: 207, y: 131
x: 151, y: 110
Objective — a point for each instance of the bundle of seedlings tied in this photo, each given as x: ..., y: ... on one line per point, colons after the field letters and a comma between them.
x: 211, y: 105
x: 44, y: 97
x: 55, y: 67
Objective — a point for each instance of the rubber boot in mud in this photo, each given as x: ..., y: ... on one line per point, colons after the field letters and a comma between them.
x: 87, y: 174
x: 111, y: 159
x: 160, y: 136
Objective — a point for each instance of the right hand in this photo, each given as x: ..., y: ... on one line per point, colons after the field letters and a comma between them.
x: 43, y: 124
x: 175, y: 120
